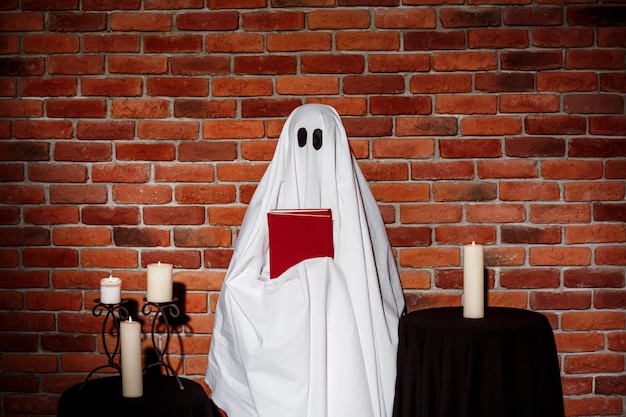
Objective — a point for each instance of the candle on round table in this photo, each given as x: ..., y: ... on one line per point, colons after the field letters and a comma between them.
x: 110, y: 290
x: 160, y: 283
x: 473, y: 281
x: 130, y: 345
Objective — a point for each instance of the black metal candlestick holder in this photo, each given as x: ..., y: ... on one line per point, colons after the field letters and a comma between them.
x: 116, y: 312
x: 162, y: 310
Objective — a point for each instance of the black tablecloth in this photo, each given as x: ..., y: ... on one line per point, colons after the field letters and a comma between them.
x: 161, y: 398
x: 504, y: 365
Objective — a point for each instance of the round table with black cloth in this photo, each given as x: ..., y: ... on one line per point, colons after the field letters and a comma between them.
x: 503, y: 365
x: 162, y: 397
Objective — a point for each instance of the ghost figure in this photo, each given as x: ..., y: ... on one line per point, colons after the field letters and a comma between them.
x: 319, y: 340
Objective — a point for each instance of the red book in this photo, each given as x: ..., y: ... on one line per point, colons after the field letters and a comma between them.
x: 296, y: 235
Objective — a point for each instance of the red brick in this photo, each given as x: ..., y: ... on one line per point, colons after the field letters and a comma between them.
x: 460, y: 18
x: 529, y: 103
x: 217, y: 258
x: 533, y: 16
x: 108, y: 258
x: 182, y: 215
x: 367, y: 127
x: 49, y: 257
x: 246, y: 87
x: 12, y: 172
x: 572, y: 169
x: 597, y: 233
x: 22, y: 22
x: 555, y: 125
x: 48, y: 87
x: 608, y: 125
x: 500, y: 213
x: 566, y: 81
x: 51, y: 43
x: 110, y: 215
x: 593, y: 103
x: 226, y: 216
x: 415, y: 279
x: 24, y: 279
x: 184, y: 173
x: 140, y: 108
x: 530, y: 235
x: 568, y: 300
x: 338, y: 19
x: 596, y: 15
x: 406, y: 19
x: 384, y: 171
x: 400, y: 105
x: 592, y: 191
x: 598, y: 362
x: 21, y: 194
x: 112, y: 87
x: 309, y: 85
x: 202, y: 108
x: 189, y: 259
x: 579, y: 342
x: 426, y: 126
x: 108, y: 42
x: 465, y: 104
x: 441, y: 83
x: 21, y: 108
x: 398, y: 62
x: 367, y: 41
x: 10, y: 215
x: 86, y: 152
x: 68, y: 343
x: 141, y: 237
x: 51, y: 215
x: 268, y: 107
x: 400, y: 192
x: 193, y: 87
x: 559, y: 256
x: 465, y: 61
x: 423, y: 300
x: 529, y: 61
x: 76, y: 64
x: 429, y: 257
x: 25, y: 236
x: 611, y: 385
x: 43, y: 129
x: 149, y: 129
x: 617, y: 341
x: 507, y: 169
x: 457, y: 235
x: 140, y: 21
x: 469, y: 148
x: 560, y: 213
x: 500, y: 82
x: 610, y: 299
x: 75, y: 108
x: 273, y: 21
x: 594, y: 59
x: 9, y: 44
x: 173, y: 4
x: 529, y: 190
x: 240, y: 172
x: 172, y: 43
x: 142, y: 194
x: 202, y: 237
x: 57, y: 173
x: 266, y: 65
x: 121, y: 173
x: 530, y: 278
x: 199, y: 65
x: 213, y: 151
x: 497, y: 38
x: 208, y: 21
x: 611, y: 37
x: 593, y: 278
x: 491, y: 125
x: 145, y: 151
x: 144, y: 64
x: 611, y: 255
x: 78, y: 194
x: 433, y: 40
x: 81, y: 236
x: 106, y: 130
x: 404, y: 148
x: 534, y: 146
x: 332, y: 64
x: 29, y: 362
x: 51, y: 301
x: 111, y: 4
x: 205, y: 194
x: 609, y: 212
x: 613, y: 82
x: 464, y: 191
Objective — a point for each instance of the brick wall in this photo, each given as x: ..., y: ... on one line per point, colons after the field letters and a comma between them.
x: 135, y: 131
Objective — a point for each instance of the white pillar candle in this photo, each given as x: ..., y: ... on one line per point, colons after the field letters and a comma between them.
x: 110, y: 290
x: 473, y: 281
x: 160, y: 283
x: 130, y: 345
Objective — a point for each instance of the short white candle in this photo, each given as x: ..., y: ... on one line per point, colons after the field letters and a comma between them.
x: 130, y: 345
x: 110, y: 290
x: 473, y: 281
x: 160, y: 283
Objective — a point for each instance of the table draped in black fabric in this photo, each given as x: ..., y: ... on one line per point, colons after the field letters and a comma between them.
x: 503, y: 365
x: 162, y: 397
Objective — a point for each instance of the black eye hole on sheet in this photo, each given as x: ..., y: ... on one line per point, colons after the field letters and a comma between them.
x: 301, y: 137
x: 317, y: 139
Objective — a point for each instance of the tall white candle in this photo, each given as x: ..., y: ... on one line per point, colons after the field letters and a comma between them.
x: 110, y: 290
x: 473, y: 281
x: 130, y: 346
x: 160, y: 283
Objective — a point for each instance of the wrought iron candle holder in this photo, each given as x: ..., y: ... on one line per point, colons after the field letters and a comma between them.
x: 162, y: 311
x: 117, y: 313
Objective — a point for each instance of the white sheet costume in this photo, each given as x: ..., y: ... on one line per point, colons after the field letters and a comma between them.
x: 321, y: 339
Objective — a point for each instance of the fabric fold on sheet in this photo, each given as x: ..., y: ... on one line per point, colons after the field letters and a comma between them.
x: 320, y: 340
